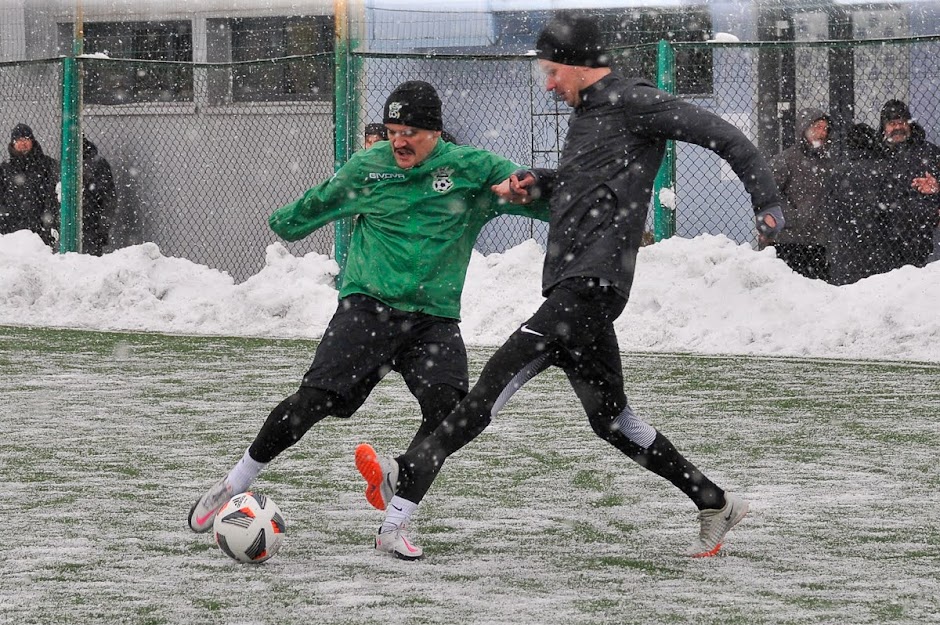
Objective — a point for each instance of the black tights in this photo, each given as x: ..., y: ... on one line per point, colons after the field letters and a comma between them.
x: 573, y: 329
x: 291, y: 418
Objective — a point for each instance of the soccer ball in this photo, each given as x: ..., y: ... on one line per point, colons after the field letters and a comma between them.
x: 249, y: 528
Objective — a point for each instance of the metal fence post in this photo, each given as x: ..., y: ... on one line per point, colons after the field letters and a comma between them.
x: 664, y: 187
x: 70, y: 211
x: 342, y: 229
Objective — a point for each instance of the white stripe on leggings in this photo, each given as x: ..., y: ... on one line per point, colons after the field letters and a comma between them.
x: 634, y: 428
x: 528, y: 372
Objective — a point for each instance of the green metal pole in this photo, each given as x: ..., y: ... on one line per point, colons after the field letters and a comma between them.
x: 664, y: 187
x: 70, y: 209
x: 342, y: 231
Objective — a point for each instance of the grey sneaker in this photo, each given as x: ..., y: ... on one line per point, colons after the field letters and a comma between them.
x: 203, y: 512
x: 716, y: 523
x: 381, y: 475
x: 397, y: 543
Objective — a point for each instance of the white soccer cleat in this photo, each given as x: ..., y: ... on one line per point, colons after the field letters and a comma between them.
x: 203, y: 512
x: 716, y: 523
x: 381, y: 475
x: 396, y: 542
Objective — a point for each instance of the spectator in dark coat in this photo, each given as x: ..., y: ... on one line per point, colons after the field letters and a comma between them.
x: 859, y: 247
x: 28, y: 199
x: 884, y: 199
x: 802, y: 173
x: 98, y: 199
x: 912, y: 165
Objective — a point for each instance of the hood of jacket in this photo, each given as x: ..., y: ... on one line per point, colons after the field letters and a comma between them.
x: 806, y: 118
x: 33, y: 153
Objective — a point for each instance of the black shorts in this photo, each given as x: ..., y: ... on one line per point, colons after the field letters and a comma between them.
x: 367, y: 339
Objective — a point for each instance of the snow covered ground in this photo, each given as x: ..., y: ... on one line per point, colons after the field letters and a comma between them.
x: 706, y: 295
x: 108, y: 437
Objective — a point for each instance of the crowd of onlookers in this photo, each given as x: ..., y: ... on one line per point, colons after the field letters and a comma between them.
x: 872, y: 209
x: 30, y: 194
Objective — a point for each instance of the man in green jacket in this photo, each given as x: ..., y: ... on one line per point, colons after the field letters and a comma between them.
x: 419, y: 204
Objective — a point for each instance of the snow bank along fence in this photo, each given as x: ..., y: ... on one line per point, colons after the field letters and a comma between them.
x: 203, y: 152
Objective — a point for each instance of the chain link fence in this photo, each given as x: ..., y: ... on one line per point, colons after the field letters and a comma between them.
x: 200, y: 165
x: 197, y: 169
x: 760, y: 87
x: 199, y: 176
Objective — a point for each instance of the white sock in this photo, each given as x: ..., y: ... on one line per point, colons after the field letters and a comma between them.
x: 244, y: 473
x: 398, y: 513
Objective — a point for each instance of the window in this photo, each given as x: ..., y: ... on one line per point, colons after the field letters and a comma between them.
x: 109, y: 82
x: 262, y: 49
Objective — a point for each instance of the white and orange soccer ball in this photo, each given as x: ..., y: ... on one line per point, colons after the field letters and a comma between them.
x: 250, y: 527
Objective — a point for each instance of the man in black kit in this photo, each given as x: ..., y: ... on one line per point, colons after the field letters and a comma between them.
x: 599, y: 196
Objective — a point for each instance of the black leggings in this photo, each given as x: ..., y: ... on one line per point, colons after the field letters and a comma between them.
x: 573, y: 329
x: 291, y: 418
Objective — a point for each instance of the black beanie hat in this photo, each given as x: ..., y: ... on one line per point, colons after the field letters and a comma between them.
x: 414, y: 103
x: 894, y: 109
x: 22, y: 131
x: 572, y: 40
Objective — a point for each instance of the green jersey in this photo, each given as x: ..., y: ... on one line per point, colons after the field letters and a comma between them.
x: 415, y: 228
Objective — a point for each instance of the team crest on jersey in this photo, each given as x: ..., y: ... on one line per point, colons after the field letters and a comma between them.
x: 394, y: 110
x: 442, y: 181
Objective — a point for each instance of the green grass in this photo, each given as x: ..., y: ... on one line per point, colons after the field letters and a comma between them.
x: 107, y: 439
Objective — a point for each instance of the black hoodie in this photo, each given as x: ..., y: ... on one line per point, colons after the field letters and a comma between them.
x: 98, y: 199
x: 601, y: 191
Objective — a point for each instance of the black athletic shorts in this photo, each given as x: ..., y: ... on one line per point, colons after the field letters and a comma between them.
x: 367, y: 339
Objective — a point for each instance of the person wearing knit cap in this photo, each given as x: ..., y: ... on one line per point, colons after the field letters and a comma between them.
x: 28, y: 199
x: 599, y: 197
x: 884, y: 207
x: 912, y: 187
x: 413, y: 121
x: 419, y: 204
x: 895, y: 120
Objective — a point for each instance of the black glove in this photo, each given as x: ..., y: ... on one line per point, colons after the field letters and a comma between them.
x: 770, y: 221
x: 522, y: 173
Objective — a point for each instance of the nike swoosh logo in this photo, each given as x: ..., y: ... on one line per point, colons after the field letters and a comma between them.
x: 525, y: 328
x: 408, y: 545
x: 396, y: 507
x: 202, y: 519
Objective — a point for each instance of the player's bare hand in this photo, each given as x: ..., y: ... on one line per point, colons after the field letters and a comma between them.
x: 515, y: 189
x: 926, y: 184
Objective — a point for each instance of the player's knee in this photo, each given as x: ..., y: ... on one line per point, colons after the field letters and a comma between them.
x: 312, y: 404
x: 603, y: 424
x: 437, y: 402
